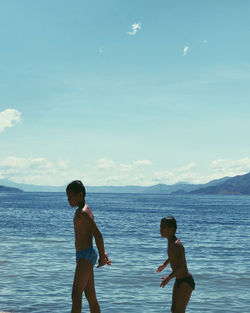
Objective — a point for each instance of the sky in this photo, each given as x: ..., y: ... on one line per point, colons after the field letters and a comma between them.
x: 128, y: 92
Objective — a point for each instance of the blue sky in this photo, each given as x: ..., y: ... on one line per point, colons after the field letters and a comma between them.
x: 124, y: 92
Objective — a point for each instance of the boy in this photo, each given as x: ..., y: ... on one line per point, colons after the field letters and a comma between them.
x: 184, y: 283
x: 86, y: 256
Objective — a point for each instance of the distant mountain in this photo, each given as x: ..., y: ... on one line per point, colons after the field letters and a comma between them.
x: 29, y: 187
x: 239, y: 185
x: 9, y: 189
x: 227, y: 185
x: 179, y: 188
x: 191, y: 188
x: 155, y: 189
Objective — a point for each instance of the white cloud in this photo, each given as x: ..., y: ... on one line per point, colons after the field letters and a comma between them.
x: 9, y: 118
x: 176, y: 176
x: 40, y: 171
x: 123, y: 180
x: 143, y: 163
x: 105, y: 164
x: 125, y: 167
x: 231, y: 167
x: 205, y: 41
x: 187, y: 168
x: 182, y: 174
x: 100, y: 50
x: 189, y: 174
x: 166, y: 177
x: 135, y: 28
x: 34, y: 170
x: 185, y: 50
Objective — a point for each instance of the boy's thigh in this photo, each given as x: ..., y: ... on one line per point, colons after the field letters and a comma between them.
x: 174, y: 294
x: 182, y: 296
x: 82, y: 274
x: 90, y: 287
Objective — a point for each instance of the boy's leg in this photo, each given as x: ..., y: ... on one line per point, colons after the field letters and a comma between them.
x: 82, y: 274
x: 91, y: 294
x: 183, y: 294
x: 174, y: 298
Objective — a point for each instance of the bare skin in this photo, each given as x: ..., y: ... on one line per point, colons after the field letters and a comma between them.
x: 85, y: 229
x: 177, y: 260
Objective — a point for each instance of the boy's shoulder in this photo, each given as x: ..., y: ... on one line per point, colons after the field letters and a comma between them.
x: 178, y: 246
x: 88, y: 211
x: 84, y: 213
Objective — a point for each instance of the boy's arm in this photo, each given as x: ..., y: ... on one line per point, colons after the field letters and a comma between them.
x: 89, y: 222
x: 162, y: 266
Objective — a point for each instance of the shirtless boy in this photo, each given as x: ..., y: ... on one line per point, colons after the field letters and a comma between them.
x: 86, y: 256
x: 184, y: 283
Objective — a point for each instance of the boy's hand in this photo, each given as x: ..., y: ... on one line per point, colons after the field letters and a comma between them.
x: 165, y: 281
x: 108, y: 261
x: 161, y: 268
x: 102, y: 261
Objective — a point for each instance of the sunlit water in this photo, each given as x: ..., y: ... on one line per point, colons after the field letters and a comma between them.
x: 37, y: 258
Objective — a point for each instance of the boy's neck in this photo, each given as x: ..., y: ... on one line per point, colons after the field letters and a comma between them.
x: 81, y: 204
x: 172, y: 239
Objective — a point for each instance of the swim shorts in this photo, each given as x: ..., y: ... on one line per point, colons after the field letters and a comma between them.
x: 188, y: 279
x: 88, y: 254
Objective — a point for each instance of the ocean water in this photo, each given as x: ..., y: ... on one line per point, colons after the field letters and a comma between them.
x: 37, y: 257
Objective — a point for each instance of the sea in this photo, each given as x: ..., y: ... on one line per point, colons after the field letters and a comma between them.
x: 37, y: 256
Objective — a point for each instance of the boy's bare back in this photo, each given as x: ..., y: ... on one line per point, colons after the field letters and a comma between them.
x: 83, y: 235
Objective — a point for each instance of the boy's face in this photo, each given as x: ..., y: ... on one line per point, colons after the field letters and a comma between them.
x: 74, y: 198
x: 166, y: 231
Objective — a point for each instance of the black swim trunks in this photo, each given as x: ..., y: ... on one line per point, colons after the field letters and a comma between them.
x: 188, y: 279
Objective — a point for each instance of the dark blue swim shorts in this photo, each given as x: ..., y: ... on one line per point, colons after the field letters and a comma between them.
x: 88, y: 254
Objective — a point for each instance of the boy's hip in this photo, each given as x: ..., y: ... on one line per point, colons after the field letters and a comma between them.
x: 88, y: 254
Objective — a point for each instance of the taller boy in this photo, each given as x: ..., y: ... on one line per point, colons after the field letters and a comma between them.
x: 85, y: 228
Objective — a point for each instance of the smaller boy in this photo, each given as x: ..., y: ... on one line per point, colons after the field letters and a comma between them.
x: 86, y: 256
x: 184, y: 283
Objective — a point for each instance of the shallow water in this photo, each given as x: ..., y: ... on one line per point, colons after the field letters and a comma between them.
x: 37, y: 257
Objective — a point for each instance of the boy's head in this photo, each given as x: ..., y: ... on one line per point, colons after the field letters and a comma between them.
x: 168, y: 226
x: 75, y: 192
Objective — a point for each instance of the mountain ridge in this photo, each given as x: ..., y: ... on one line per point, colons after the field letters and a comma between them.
x: 180, y: 187
x: 239, y: 184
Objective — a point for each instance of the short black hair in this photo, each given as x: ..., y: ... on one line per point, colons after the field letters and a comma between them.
x: 169, y: 221
x: 76, y: 186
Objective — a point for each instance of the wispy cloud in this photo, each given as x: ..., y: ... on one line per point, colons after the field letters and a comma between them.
x: 105, y: 164
x: 187, y: 168
x: 9, y: 118
x: 231, y: 167
x: 143, y: 163
x: 185, y: 50
x: 32, y: 170
x: 185, y: 173
x: 188, y: 173
x: 135, y: 28
x: 125, y: 167
x: 100, y: 50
